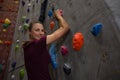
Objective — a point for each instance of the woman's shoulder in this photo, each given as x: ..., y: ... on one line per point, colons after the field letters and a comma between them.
x: 25, y: 43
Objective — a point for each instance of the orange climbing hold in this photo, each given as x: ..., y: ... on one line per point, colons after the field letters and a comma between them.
x: 52, y: 24
x: 78, y: 41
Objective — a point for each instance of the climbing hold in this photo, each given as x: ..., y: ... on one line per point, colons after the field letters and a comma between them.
x: 27, y: 20
x: 28, y: 10
x: 23, y: 3
x: 13, y: 65
x: 25, y: 26
x: 22, y: 74
x: 64, y: 50
x: 24, y: 18
x: 7, y: 21
x: 16, y: 47
x: 52, y: 24
x: 16, y: 1
x: 78, y: 41
x: 18, y: 41
x: 96, y: 29
x: 50, y: 13
x: 1, y: 1
x: 61, y: 12
x: 12, y: 77
x: 67, y: 68
x: 29, y: 5
x: 53, y: 56
x: 36, y: 1
x: 1, y: 21
x: 4, y: 30
x: 5, y: 25
x: 7, y: 42
x: 19, y: 28
x: 1, y: 68
x: 1, y: 42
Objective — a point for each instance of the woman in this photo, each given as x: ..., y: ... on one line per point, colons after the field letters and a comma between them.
x: 36, y: 54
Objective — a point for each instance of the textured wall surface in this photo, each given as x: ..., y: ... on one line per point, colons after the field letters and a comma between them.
x: 8, y: 9
x: 99, y: 57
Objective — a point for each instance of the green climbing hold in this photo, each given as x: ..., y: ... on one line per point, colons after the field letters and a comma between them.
x: 26, y: 26
x: 22, y: 74
x: 24, y: 18
x: 16, y: 47
x: 0, y: 68
x: 5, y: 26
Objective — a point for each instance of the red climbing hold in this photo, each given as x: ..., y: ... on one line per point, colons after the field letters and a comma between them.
x: 7, y: 42
x: 78, y: 41
x: 52, y: 24
x: 61, y: 12
x: 1, y: 1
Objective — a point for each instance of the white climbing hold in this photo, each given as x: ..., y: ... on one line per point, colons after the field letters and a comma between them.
x: 13, y: 77
x: 18, y: 41
x: 29, y: 5
x: 19, y: 28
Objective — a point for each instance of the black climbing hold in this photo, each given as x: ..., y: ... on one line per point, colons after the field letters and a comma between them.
x: 67, y: 68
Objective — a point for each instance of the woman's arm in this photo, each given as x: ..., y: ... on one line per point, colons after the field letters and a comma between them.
x: 59, y: 32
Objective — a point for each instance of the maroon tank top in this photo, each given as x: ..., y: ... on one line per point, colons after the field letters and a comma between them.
x: 37, y: 59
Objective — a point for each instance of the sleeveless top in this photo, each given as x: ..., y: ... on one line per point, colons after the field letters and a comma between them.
x: 37, y: 59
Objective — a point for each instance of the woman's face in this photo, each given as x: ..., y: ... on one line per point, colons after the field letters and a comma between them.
x: 37, y: 31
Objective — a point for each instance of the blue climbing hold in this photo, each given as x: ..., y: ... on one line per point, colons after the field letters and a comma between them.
x: 50, y: 13
x: 96, y: 29
x: 53, y: 56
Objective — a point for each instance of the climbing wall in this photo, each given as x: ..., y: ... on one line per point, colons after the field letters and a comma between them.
x: 98, y: 58
x: 97, y: 55
x: 8, y: 14
x: 28, y: 11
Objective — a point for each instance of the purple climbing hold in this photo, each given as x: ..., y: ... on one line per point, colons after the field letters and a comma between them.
x: 27, y: 20
x: 28, y: 10
x: 36, y: 1
x: 13, y: 65
x: 23, y: 3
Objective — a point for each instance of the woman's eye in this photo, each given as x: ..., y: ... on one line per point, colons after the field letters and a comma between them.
x: 37, y: 30
x: 42, y: 30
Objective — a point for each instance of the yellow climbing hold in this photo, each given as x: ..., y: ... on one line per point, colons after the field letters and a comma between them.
x: 16, y: 2
x: 7, y: 21
x: 4, y: 30
x: 1, y: 42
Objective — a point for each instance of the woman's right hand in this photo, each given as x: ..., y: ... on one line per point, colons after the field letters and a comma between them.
x: 57, y: 14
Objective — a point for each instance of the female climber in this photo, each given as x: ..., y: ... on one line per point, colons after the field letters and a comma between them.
x: 36, y: 55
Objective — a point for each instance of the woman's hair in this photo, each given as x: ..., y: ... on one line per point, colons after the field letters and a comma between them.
x: 32, y: 23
